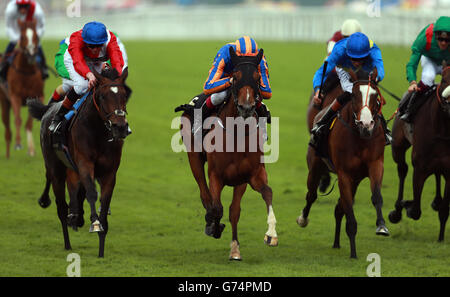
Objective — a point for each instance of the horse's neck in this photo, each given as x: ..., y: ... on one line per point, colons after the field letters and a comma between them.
x: 90, y: 118
x: 440, y: 121
x: 21, y: 60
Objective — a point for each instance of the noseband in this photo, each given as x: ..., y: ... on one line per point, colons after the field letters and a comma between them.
x: 106, y: 116
x: 380, y: 102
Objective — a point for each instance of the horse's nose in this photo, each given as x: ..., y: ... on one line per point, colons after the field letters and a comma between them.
x: 120, y: 130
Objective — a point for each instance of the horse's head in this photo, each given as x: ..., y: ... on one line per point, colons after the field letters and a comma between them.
x: 110, y: 99
x: 365, y: 103
x: 246, y: 80
x: 29, y: 40
x: 443, y: 91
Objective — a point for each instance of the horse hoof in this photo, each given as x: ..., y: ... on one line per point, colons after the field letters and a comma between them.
x: 395, y: 216
x: 218, y: 231
x: 435, y: 204
x: 44, y: 203
x: 72, y: 221
x: 18, y: 147
x: 413, y: 213
x: 302, y: 222
x: 96, y: 227
x: 235, y: 254
x: 271, y: 241
x: 382, y: 230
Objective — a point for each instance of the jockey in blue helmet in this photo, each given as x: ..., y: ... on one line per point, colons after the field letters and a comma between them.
x: 355, y: 52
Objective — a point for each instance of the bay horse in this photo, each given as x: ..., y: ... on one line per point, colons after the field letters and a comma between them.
x: 24, y: 81
x: 235, y: 168
x: 95, y: 143
x: 430, y: 154
x: 356, y: 149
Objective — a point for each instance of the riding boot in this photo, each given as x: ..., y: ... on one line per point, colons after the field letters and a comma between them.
x: 415, y: 102
x: 6, y: 61
x: 387, y: 132
x: 199, y: 118
x: 42, y: 63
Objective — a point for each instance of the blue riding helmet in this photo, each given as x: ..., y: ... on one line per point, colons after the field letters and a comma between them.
x: 358, y: 46
x: 94, y: 33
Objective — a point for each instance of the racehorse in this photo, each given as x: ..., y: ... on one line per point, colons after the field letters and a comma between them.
x: 236, y: 168
x: 430, y: 150
x: 24, y: 81
x: 95, y: 143
x: 356, y: 150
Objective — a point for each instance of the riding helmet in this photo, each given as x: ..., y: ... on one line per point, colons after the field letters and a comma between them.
x: 246, y: 46
x: 358, y: 46
x: 94, y: 33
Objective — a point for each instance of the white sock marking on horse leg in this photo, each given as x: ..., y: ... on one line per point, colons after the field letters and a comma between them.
x: 30, y: 143
x: 271, y: 221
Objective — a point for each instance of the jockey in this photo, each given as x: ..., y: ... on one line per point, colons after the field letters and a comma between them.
x: 24, y: 10
x: 85, y: 50
x: 349, y: 26
x: 431, y: 48
x: 355, y: 52
x: 62, y: 89
x: 217, y: 86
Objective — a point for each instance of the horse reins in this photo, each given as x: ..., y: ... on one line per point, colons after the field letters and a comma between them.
x: 105, y: 116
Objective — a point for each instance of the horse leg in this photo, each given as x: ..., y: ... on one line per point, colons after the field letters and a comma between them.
x: 444, y: 209
x: 314, y: 177
x: 73, y: 188
x: 338, y: 215
x: 15, y: 104
x: 30, y: 142
x: 44, y: 201
x: 215, y: 228
x: 6, y: 107
x: 437, y: 198
x: 58, y: 184
x: 345, y: 187
x: 235, y: 212
x: 198, y: 170
x: 399, y: 147
x: 259, y: 183
x: 87, y: 179
x: 107, y: 187
x: 376, y: 177
x: 413, y: 207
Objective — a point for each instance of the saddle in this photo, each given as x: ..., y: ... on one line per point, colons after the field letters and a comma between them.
x: 59, y: 142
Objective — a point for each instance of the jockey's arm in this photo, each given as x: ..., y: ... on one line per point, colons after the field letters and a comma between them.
x: 11, y: 23
x: 76, y: 51
x: 266, y: 91
x: 377, y: 60
x: 40, y: 21
x: 115, y: 54
x: 217, y: 81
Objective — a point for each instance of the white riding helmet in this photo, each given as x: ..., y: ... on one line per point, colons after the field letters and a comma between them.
x: 350, y: 26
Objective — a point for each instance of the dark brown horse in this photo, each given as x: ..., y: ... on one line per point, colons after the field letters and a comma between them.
x: 24, y: 81
x: 356, y: 150
x: 233, y: 165
x: 95, y: 142
x: 430, y: 153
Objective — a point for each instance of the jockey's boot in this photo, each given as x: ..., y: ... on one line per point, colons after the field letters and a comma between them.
x: 264, y: 112
x: 318, y: 129
x: 199, y: 117
x: 387, y: 132
x: 57, y: 126
x: 415, y: 102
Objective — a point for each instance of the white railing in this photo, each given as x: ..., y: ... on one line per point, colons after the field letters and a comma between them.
x: 227, y: 23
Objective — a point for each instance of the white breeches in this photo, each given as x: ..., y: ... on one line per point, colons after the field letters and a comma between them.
x: 429, y: 70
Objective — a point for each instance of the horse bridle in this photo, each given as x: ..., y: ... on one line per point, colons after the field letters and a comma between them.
x: 234, y: 86
x: 380, y: 102
x: 106, y: 116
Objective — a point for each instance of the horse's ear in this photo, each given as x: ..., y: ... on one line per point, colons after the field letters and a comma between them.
x: 260, y: 56
x: 374, y: 74
x: 353, y: 75
x: 124, y: 75
x: 233, y: 55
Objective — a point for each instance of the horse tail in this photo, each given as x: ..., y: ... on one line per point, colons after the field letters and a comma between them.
x: 36, y: 108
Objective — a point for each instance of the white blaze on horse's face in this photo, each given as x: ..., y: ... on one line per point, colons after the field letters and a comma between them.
x: 30, y: 46
x: 366, y: 117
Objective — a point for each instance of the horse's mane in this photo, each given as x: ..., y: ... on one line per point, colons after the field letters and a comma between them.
x: 110, y: 73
